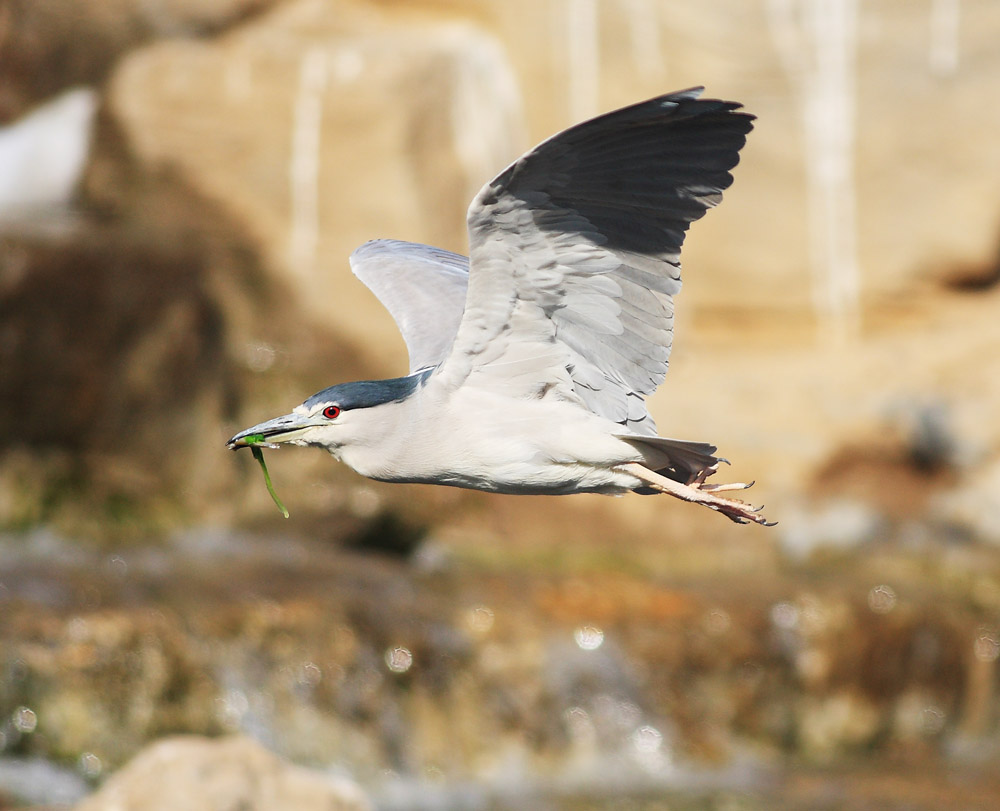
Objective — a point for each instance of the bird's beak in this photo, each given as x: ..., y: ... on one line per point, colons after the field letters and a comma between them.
x: 272, y: 433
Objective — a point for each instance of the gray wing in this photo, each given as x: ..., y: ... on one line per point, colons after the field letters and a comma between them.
x: 576, y: 254
x: 423, y: 288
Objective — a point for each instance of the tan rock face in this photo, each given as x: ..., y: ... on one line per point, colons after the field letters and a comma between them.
x: 326, y: 129
x: 321, y: 131
x: 201, y: 774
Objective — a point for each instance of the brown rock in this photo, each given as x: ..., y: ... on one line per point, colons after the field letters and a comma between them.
x: 49, y: 45
x: 199, y: 774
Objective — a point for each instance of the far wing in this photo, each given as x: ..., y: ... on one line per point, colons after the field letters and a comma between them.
x: 575, y: 252
x: 423, y: 288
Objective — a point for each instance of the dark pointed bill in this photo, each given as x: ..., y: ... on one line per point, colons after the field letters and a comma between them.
x: 272, y: 433
x: 269, y: 435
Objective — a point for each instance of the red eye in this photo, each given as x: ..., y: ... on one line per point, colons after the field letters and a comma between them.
x: 331, y: 412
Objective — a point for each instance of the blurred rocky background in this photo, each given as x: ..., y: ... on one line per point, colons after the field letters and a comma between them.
x: 180, y: 186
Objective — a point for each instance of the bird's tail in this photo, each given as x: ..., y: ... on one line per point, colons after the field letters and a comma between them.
x: 678, y: 459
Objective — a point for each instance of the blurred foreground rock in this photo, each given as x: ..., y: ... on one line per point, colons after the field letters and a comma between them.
x: 215, y: 775
x: 447, y: 671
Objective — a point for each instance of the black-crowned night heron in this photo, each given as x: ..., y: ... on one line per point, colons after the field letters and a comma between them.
x: 530, y: 361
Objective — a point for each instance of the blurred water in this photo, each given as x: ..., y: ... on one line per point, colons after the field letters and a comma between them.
x: 38, y: 781
x: 613, y: 784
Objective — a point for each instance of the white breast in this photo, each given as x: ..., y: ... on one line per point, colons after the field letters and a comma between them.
x: 483, y: 441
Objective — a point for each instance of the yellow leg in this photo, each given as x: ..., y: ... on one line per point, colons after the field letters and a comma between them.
x: 738, y: 511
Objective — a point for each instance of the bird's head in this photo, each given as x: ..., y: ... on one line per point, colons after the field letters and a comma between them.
x: 345, y: 414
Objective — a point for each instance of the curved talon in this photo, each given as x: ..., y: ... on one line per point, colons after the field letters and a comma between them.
x: 739, y: 512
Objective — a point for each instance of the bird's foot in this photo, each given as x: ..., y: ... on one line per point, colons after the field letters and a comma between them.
x: 718, y: 488
x: 700, y: 493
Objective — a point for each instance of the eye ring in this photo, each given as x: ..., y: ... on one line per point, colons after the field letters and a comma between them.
x: 331, y: 412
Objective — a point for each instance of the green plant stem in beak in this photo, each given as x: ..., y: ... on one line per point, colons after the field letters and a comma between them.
x: 258, y: 454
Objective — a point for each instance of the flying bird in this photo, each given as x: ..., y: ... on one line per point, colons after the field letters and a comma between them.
x: 531, y: 360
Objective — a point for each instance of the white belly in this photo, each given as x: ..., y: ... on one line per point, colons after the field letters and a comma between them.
x: 482, y: 442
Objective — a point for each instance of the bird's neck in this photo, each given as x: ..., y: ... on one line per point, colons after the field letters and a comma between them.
x: 380, y: 438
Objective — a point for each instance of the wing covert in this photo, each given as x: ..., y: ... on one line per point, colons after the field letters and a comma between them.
x: 575, y: 249
x: 423, y: 288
